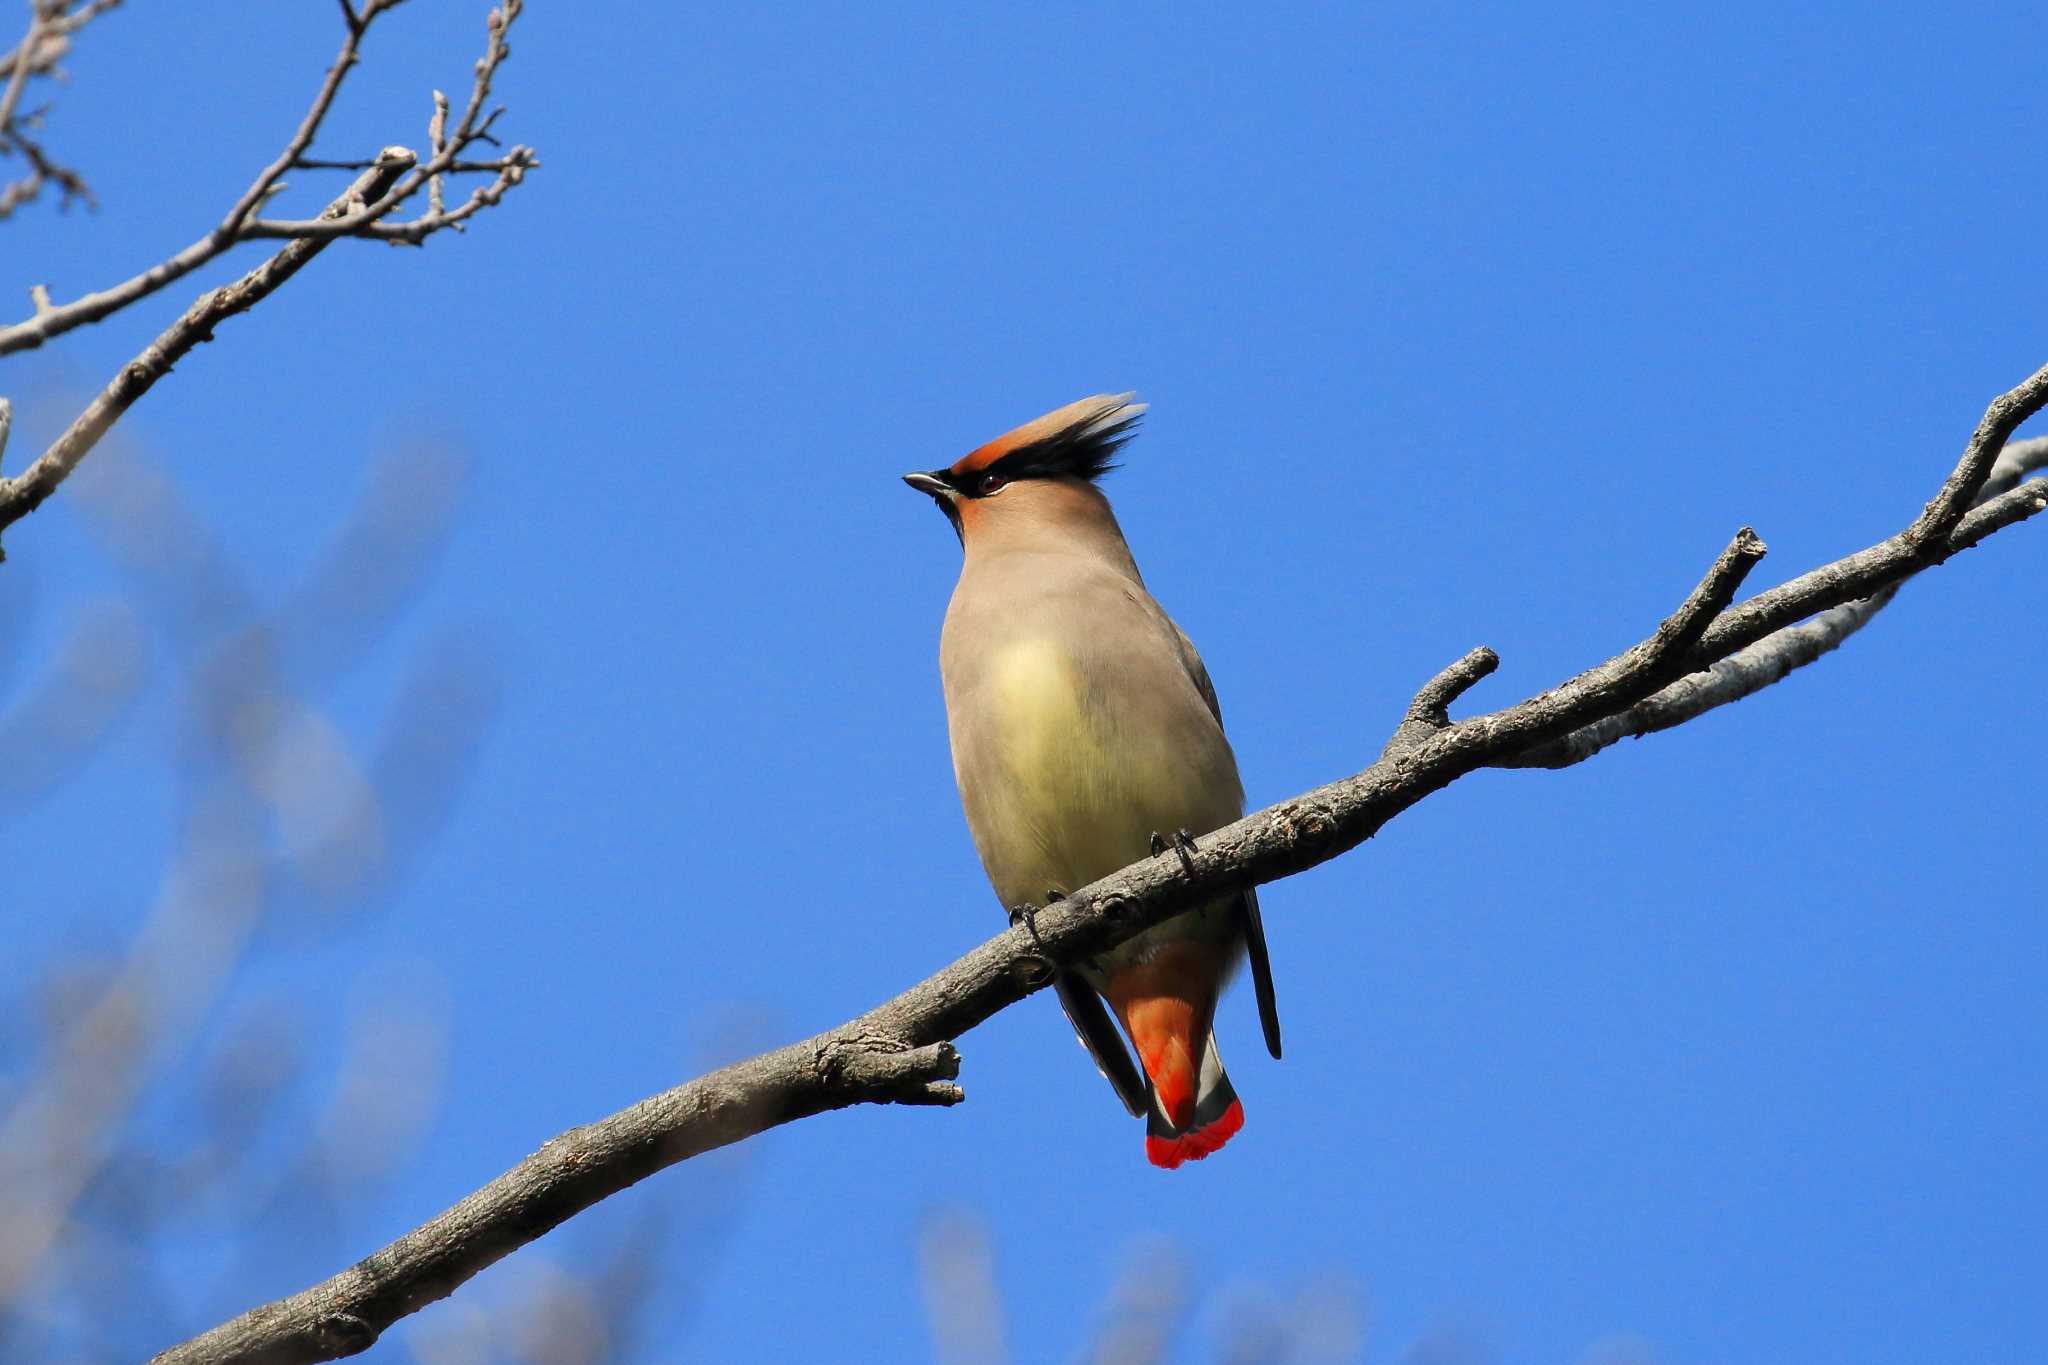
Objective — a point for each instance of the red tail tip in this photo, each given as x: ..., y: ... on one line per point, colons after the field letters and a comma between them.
x: 1170, y: 1152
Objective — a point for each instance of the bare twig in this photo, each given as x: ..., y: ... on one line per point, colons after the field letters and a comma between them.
x: 474, y: 126
x: 1430, y: 711
x: 437, y: 149
x: 1931, y: 531
x: 22, y: 495
x: 456, y: 167
x: 239, y: 224
x: 899, y: 1052
x: 309, y: 126
x: 511, y: 169
x: 1755, y: 667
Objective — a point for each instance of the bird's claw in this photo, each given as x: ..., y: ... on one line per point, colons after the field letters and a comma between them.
x: 1047, y: 969
x: 1183, y: 844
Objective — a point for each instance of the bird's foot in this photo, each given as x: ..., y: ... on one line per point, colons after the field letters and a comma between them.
x: 1183, y: 844
x: 1034, y: 969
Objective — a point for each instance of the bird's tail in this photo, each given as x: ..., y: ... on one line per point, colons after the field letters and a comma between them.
x: 1212, y: 1120
x: 1194, y: 1110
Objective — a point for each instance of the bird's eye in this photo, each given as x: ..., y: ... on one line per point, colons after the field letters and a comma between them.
x: 990, y: 483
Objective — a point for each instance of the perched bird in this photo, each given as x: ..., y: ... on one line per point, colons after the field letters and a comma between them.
x: 1084, y: 725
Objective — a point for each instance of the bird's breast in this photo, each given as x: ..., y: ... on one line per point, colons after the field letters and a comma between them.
x: 1049, y: 740
x: 1065, y: 773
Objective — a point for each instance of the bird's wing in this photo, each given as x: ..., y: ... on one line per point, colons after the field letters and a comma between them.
x: 1262, y: 970
x: 1097, y: 1031
x: 1248, y: 904
x: 1192, y: 661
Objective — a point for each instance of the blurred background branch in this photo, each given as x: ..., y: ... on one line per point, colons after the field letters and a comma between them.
x: 150, y: 1088
x: 51, y: 25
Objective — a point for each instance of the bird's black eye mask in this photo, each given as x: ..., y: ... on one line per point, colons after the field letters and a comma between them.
x: 1081, y: 452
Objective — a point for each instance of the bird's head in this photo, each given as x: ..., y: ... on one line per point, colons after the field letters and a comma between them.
x: 1043, y: 471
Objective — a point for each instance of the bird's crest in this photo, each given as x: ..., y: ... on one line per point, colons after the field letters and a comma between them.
x: 1080, y: 439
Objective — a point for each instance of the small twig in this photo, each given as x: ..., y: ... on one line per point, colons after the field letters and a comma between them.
x: 1429, y: 712
x: 1931, y: 530
x: 1433, y: 702
x: 511, y: 168
x: 467, y: 130
x: 309, y: 126
x: 6, y: 426
x: 455, y: 167
x: 20, y: 496
x: 437, y: 141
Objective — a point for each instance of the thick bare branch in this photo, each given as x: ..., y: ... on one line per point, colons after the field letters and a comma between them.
x: 898, y: 1050
x: 22, y: 495
x: 240, y: 225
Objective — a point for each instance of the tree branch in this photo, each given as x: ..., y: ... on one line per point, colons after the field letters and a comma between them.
x: 899, y: 1051
x: 240, y: 224
x: 1751, y: 669
x: 21, y: 496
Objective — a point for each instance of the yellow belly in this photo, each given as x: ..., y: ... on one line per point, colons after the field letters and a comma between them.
x: 1080, y: 782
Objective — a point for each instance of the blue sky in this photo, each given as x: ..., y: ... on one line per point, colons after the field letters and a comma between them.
x: 1460, y: 325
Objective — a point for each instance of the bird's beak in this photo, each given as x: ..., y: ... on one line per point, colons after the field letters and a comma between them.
x: 928, y: 483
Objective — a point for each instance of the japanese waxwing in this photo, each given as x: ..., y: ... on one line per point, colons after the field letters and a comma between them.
x: 1084, y: 726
